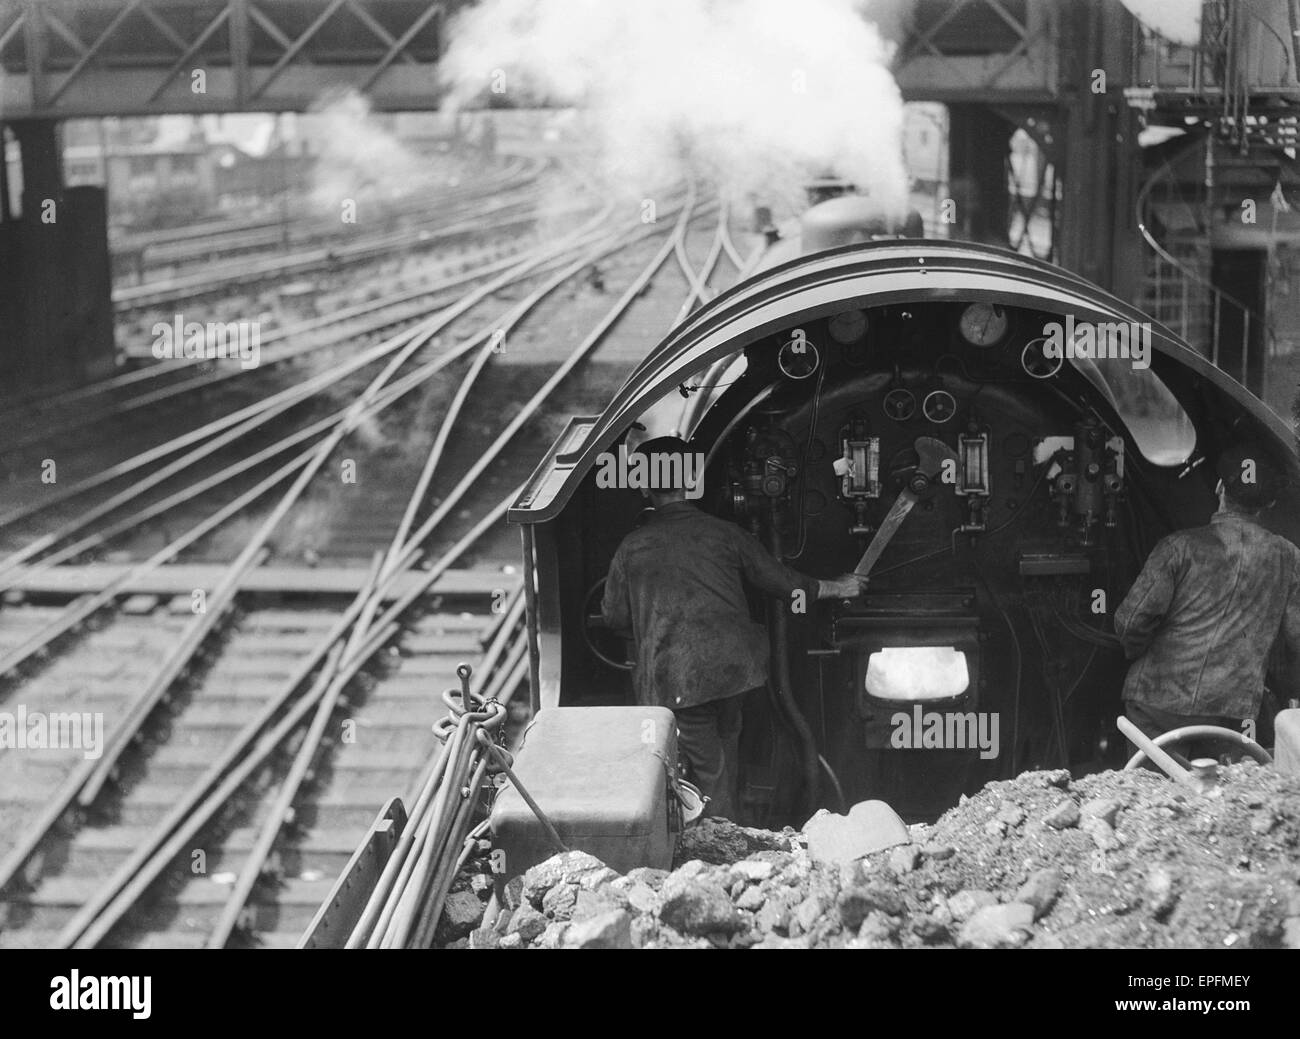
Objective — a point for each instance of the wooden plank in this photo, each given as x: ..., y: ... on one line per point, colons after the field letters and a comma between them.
x: 185, y: 578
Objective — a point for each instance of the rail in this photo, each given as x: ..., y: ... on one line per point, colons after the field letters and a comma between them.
x: 356, y: 635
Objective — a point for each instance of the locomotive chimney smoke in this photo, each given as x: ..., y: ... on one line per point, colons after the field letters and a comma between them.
x: 1178, y: 21
x: 358, y: 158
x: 754, y: 95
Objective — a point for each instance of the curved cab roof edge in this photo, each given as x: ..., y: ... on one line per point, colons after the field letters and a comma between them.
x: 809, y: 287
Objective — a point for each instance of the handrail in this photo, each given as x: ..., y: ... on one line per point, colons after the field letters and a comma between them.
x: 1217, y: 297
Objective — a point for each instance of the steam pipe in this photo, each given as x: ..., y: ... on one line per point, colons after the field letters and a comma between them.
x: 781, y: 685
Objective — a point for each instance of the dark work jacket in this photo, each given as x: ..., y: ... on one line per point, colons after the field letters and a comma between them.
x: 675, y: 584
x: 1203, y: 615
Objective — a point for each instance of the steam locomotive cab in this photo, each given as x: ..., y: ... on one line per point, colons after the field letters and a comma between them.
x: 1004, y: 442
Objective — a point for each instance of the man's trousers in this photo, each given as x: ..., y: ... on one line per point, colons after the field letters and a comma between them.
x: 708, y: 738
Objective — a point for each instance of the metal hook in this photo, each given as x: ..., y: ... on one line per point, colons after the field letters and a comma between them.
x: 463, y: 672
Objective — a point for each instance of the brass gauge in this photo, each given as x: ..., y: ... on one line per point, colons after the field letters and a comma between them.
x: 983, y: 324
x: 848, y: 327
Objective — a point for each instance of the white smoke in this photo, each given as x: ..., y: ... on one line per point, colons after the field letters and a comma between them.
x: 754, y: 95
x: 1178, y: 21
x: 356, y: 157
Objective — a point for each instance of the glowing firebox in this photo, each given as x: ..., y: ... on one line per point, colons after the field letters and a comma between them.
x: 914, y: 673
x: 911, y: 648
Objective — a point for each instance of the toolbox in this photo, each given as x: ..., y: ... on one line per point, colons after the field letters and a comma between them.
x: 605, y: 778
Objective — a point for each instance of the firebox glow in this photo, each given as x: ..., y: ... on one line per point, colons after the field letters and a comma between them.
x: 917, y: 673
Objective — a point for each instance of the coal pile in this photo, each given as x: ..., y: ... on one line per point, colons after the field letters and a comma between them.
x: 1112, y: 860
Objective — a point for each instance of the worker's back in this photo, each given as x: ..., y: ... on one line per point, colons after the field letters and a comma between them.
x: 676, y: 585
x: 1204, y: 615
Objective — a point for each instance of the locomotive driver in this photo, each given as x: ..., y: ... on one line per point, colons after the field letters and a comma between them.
x: 676, y: 584
x: 1201, y: 618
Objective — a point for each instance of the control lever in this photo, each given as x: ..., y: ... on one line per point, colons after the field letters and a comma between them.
x: 932, y: 453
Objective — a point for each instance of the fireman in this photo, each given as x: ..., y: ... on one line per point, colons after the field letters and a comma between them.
x: 677, y: 584
x: 1201, y: 618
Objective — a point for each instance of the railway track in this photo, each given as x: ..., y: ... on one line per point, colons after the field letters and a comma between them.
x: 489, y: 219
x: 207, y: 440
x: 111, y: 398
x: 172, y: 250
x: 380, y: 743
x: 247, y: 747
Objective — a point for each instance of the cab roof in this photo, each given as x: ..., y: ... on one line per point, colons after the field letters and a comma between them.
x: 857, y: 276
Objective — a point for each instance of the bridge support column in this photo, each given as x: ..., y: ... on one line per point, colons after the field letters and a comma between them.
x: 1098, y: 234
x: 58, y: 325
x: 978, y: 145
x: 1100, y: 161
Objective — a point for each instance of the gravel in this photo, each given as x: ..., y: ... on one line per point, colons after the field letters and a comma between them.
x: 1111, y: 860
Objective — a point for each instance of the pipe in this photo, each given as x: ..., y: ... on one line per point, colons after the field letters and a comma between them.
x: 1248, y: 746
x: 781, y: 685
x: 1158, y: 757
x: 528, y: 533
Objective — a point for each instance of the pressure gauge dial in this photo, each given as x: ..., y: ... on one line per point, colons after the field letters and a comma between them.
x: 983, y: 324
x: 848, y: 327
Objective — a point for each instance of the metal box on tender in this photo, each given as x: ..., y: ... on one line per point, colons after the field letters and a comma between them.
x: 602, y: 776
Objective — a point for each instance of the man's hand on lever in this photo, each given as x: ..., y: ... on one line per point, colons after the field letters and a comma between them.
x: 931, y: 453
x: 847, y: 586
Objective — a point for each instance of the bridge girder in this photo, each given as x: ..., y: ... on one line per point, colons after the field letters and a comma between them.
x: 78, y: 58
x: 74, y: 58
x: 979, y: 51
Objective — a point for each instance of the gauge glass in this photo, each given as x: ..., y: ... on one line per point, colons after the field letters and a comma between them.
x: 983, y: 324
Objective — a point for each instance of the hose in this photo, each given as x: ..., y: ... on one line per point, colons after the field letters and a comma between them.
x: 1248, y: 746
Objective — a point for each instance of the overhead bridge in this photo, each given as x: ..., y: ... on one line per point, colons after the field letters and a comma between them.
x: 70, y: 58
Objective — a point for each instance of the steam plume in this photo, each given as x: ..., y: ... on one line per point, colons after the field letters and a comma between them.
x: 754, y: 95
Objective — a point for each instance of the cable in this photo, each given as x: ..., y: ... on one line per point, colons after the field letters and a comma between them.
x: 1086, y: 666
x: 1058, y: 720
x: 807, y: 453
x: 1019, y: 664
x: 1019, y: 513
x: 1079, y: 628
x: 835, y: 782
x: 687, y: 388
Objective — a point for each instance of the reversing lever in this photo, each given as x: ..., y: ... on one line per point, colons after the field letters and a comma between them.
x: 932, y: 453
